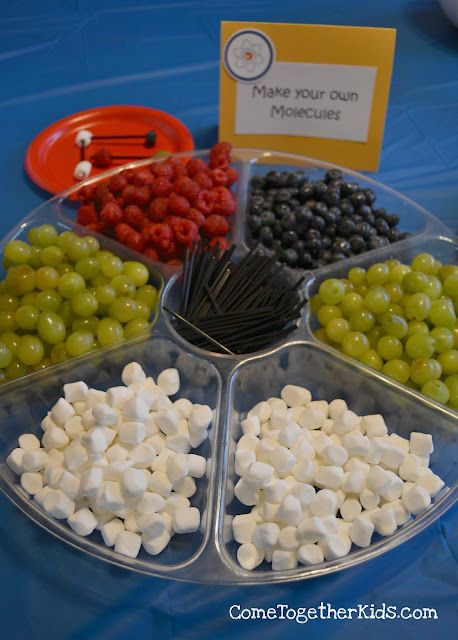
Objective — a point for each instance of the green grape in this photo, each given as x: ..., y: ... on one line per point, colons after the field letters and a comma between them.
x: 99, y: 279
x: 111, y: 266
x: 446, y: 270
x: 84, y: 304
x: 454, y: 330
x: 355, y: 344
x: 123, y: 309
x: 8, y: 302
x: 418, y: 306
x: 378, y: 273
x: 32, y: 235
x: 420, y: 346
x: 451, y: 285
x: 70, y: 284
x: 46, y: 278
x: 144, y: 312
x: 394, y: 290
x: 394, y: 325
x: 377, y: 299
x: 26, y: 317
x: 414, y: 282
x: 7, y: 321
x: 35, y: 257
x: 332, y: 291
x: 45, y: 236
x: 398, y: 273
x: 389, y: 348
x: 51, y: 327
x: 79, y: 343
x: 65, y: 311
x: 138, y: 326
x: 349, y: 286
x: 51, y: 256
x: 109, y: 332
x: 11, y: 340
x: 59, y: 353
x: 30, y: 350
x: 137, y: 272
x: 123, y: 286
x: 374, y: 336
x: 17, y: 252
x: 424, y: 369
x: 93, y: 244
x: 357, y: 275
x: 451, y: 382
x: 391, y: 263
x: 395, y: 309
x: 397, y: 369
x: 77, y: 249
x: 105, y: 293
x: 351, y: 302
x: 28, y: 299
x: 86, y: 324
x: 442, y: 313
x: 20, y: 280
x: 326, y: 313
x: 417, y: 327
x: 65, y: 239
x: 48, y: 300
x: 42, y: 365
x: 362, y: 320
x: 336, y: 329
x: 443, y: 338
x: 424, y: 262
x: 433, y: 288
x: 437, y: 267
x: 372, y: 359
x: 87, y: 267
x: 6, y: 355
x: 449, y: 361
x: 314, y: 302
x: 436, y: 390
x: 361, y: 289
x: 322, y: 336
x: 16, y: 369
x: 64, y: 268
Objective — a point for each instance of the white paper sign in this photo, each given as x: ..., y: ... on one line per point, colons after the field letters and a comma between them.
x: 301, y: 99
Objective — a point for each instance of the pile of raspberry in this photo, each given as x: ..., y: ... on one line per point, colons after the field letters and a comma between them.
x: 163, y: 209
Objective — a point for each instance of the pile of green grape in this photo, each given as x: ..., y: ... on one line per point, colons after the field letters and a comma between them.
x: 63, y: 296
x: 399, y: 319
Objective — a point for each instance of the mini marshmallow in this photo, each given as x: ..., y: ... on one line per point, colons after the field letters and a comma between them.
x: 117, y: 397
x: 41, y: 495
x: 289, y: 511
x: 94, y: 396
x: 416, y: 499
x: 185, y: 486
x: 410, y: 468
x: 341, y: 497
x: 142, y: 455
x: 154, y: 546
x: 111, y: 530
x: 311, y: 418
x: 319, y: 441
x: 392, y: 456
x: 331, y: 524
x: 200, y: 418
x: 350, y: 509
x: 335, y: 546
x: 249, y: 556
x: 378, y: 479
x: 287, y: 538
x: 321, y: 405
x: 262, y: 411
x: 74, y: 426
x: 277, y: 403
x: 278, y: 419
x: 377, y: 449
x: 324, y: 503
x: 150, y: 502
x: 62, y: 411
x: 56, y: 457
x: 395, y: 489
x: 182, y: 442
x: 282, y: 459
x: 283, y: 560
x: 258, y: 474
x: 186, y: 520
x: 177, y: 467
x: 55, y: 438
x: 160, y: 462
x: 421, y: 444
x: 135, y: 409
x: 83, y: 522
x: 399, y: 442
x: 345, y: 422
x: 289, y: 434
x: 374, y: 425
x: 34, y: 460
x: 151, y: 524
x: 75, y: 456
x: 131, y: 523
x: 132, y: 432
x: 169, y: 381
x: 336, y: 407
x: 303, y: 448
x: 275, y: 490
x: 183, y: 407
x: 75, y: 391
x: 251, y: 425
x: 83, y: 138
x: 32, y: 482
x: 94, y: 441
x: 334, y: 455
x: 353, y: 482
x: 361, y: 531
x: 356, y: 464
x: 133, y: 483
x: 105, y: 415
x: 309, y: 554
x: 431, y: 482
x: 356, y: 444
x: 243, y: 527
x: 58, y: 505
x: 47, y: 422
x: 112, y: 497
x: 160, y: 483
x: 329, y: 477
x: 310, y: 530
x: 87, y: 419
x: 268, y: 511
x: 175, y: 501
x: 52, y: 475
x: 328, y: 428
x: 196, y: 465
x: 90, y: 481
x: 266, y: 535
x: 295, y: 396
x: 14, y: 460
x: 128, y: 543
x: 249, y: 442
x: 80, y: 408
x: 384, y: 522
x: 304, y: 470
x: 69, y: 483
x: 401, y: 515
x: 303, y: 492
x: 133, y: 373
x: 28, y: 442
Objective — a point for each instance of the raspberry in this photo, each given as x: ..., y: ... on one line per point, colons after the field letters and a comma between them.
x: 141, y: 196
x: 224, y: 203
x: 195, y: 166
x: 111, y: 214
x: 185, y: 187
x: 134, y: 216
x: 196, y: 216
x: 204, y: 202
x: 122, y: 230
x: 221, y: 148
x: 219, y: 162
x: 175, y: 262
x: 86, y: 194
x: 161, y: 169
x: 178, y: 205
x: 216, y: 226
x: 143, y: 177
x: 129, y: 175
x: 178, y: 168
x: 152, y: 254
x: 186, y: 232
x: 87, y: 214
x: 218, y: 177
x: 159, y: 236
x: 106, y: 198
x: 158, y: 209
x: 222, y: 243
x: 231, y: 175
x: 117, y: 183
x: 128, y: 194
x: 161, y: 187
x: 95, y: 226
x: 203, y: 180
x: 135, y: 241
x: 170, y: 252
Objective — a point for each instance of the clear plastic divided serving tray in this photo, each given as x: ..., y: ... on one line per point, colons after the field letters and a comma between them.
x: 232, y: 385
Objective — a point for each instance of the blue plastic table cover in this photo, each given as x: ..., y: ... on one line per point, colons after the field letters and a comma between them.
x: 60, y: 56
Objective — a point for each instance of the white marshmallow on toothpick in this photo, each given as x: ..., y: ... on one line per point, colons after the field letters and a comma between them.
x: 82, y: 170
x: 83, y: 138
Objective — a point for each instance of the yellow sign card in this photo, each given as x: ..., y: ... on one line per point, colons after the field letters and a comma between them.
x: 316, y: 90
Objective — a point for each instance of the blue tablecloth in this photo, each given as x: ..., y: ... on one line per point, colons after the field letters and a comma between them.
x: 58, y: 57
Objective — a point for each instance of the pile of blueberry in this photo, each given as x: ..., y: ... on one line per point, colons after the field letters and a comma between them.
x: 309, y: 224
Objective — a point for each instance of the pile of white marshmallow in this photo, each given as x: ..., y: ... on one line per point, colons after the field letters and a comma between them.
x: 319, y: 478
x: 119, y: 461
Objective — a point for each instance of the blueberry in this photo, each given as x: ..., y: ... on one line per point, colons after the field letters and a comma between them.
x: 321, y: 189
x: 299, y: 245
x: 335, y: 184
x: 376, y: 242
x: 254, y: 223
x: 293, y: 203
x: 332, y: 174
x: 393, y: 234
x: 257, y: 192
x: 283, y: 195
x: 331, y: 230
x: 311, y: 204
x: 303, y: 215
x: 258, y: 182
x: 306, y: 191
x: 266, y: 236
x: 372, y: 232
x: 289, y: 257
x: 356, y: 218
x: 346, y: 207
x: 370, y: 196
x: 312, y: 233
x: 347, y: 188
x: 364, y: 211
x: 404, y: 235
x: 313, y: 246
x: 267, y: 218
x: 333, y: 196
x: 336, y: 256
x: 288, y: 222
x: 336, y: 212
x: 276, y: 246
x: 392, y: 219
x: 330, y: 217
x: 297, y: 179
x: 320, y: 208
x: 288, y: 238
x: 283, y: 179
x: 381, y: 226
x: 269, y: 204
x: 318, y: 223
x: 346, y: 227
x: 340, y: 245
x: 272, y: 178
x: 256, y: 199
x: 293, y: 192
x: 357, y: 244
x: 357, y: 198
x: 304, y: 260
x: 282, y: 209
x: 379, y: 213
x: 325, y: 255
x: 363, y: 230
x: 326, y: 241
x: 277, y: 229
x: 319, y: 263
x: 371, y: 219
x: 256, y: 208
